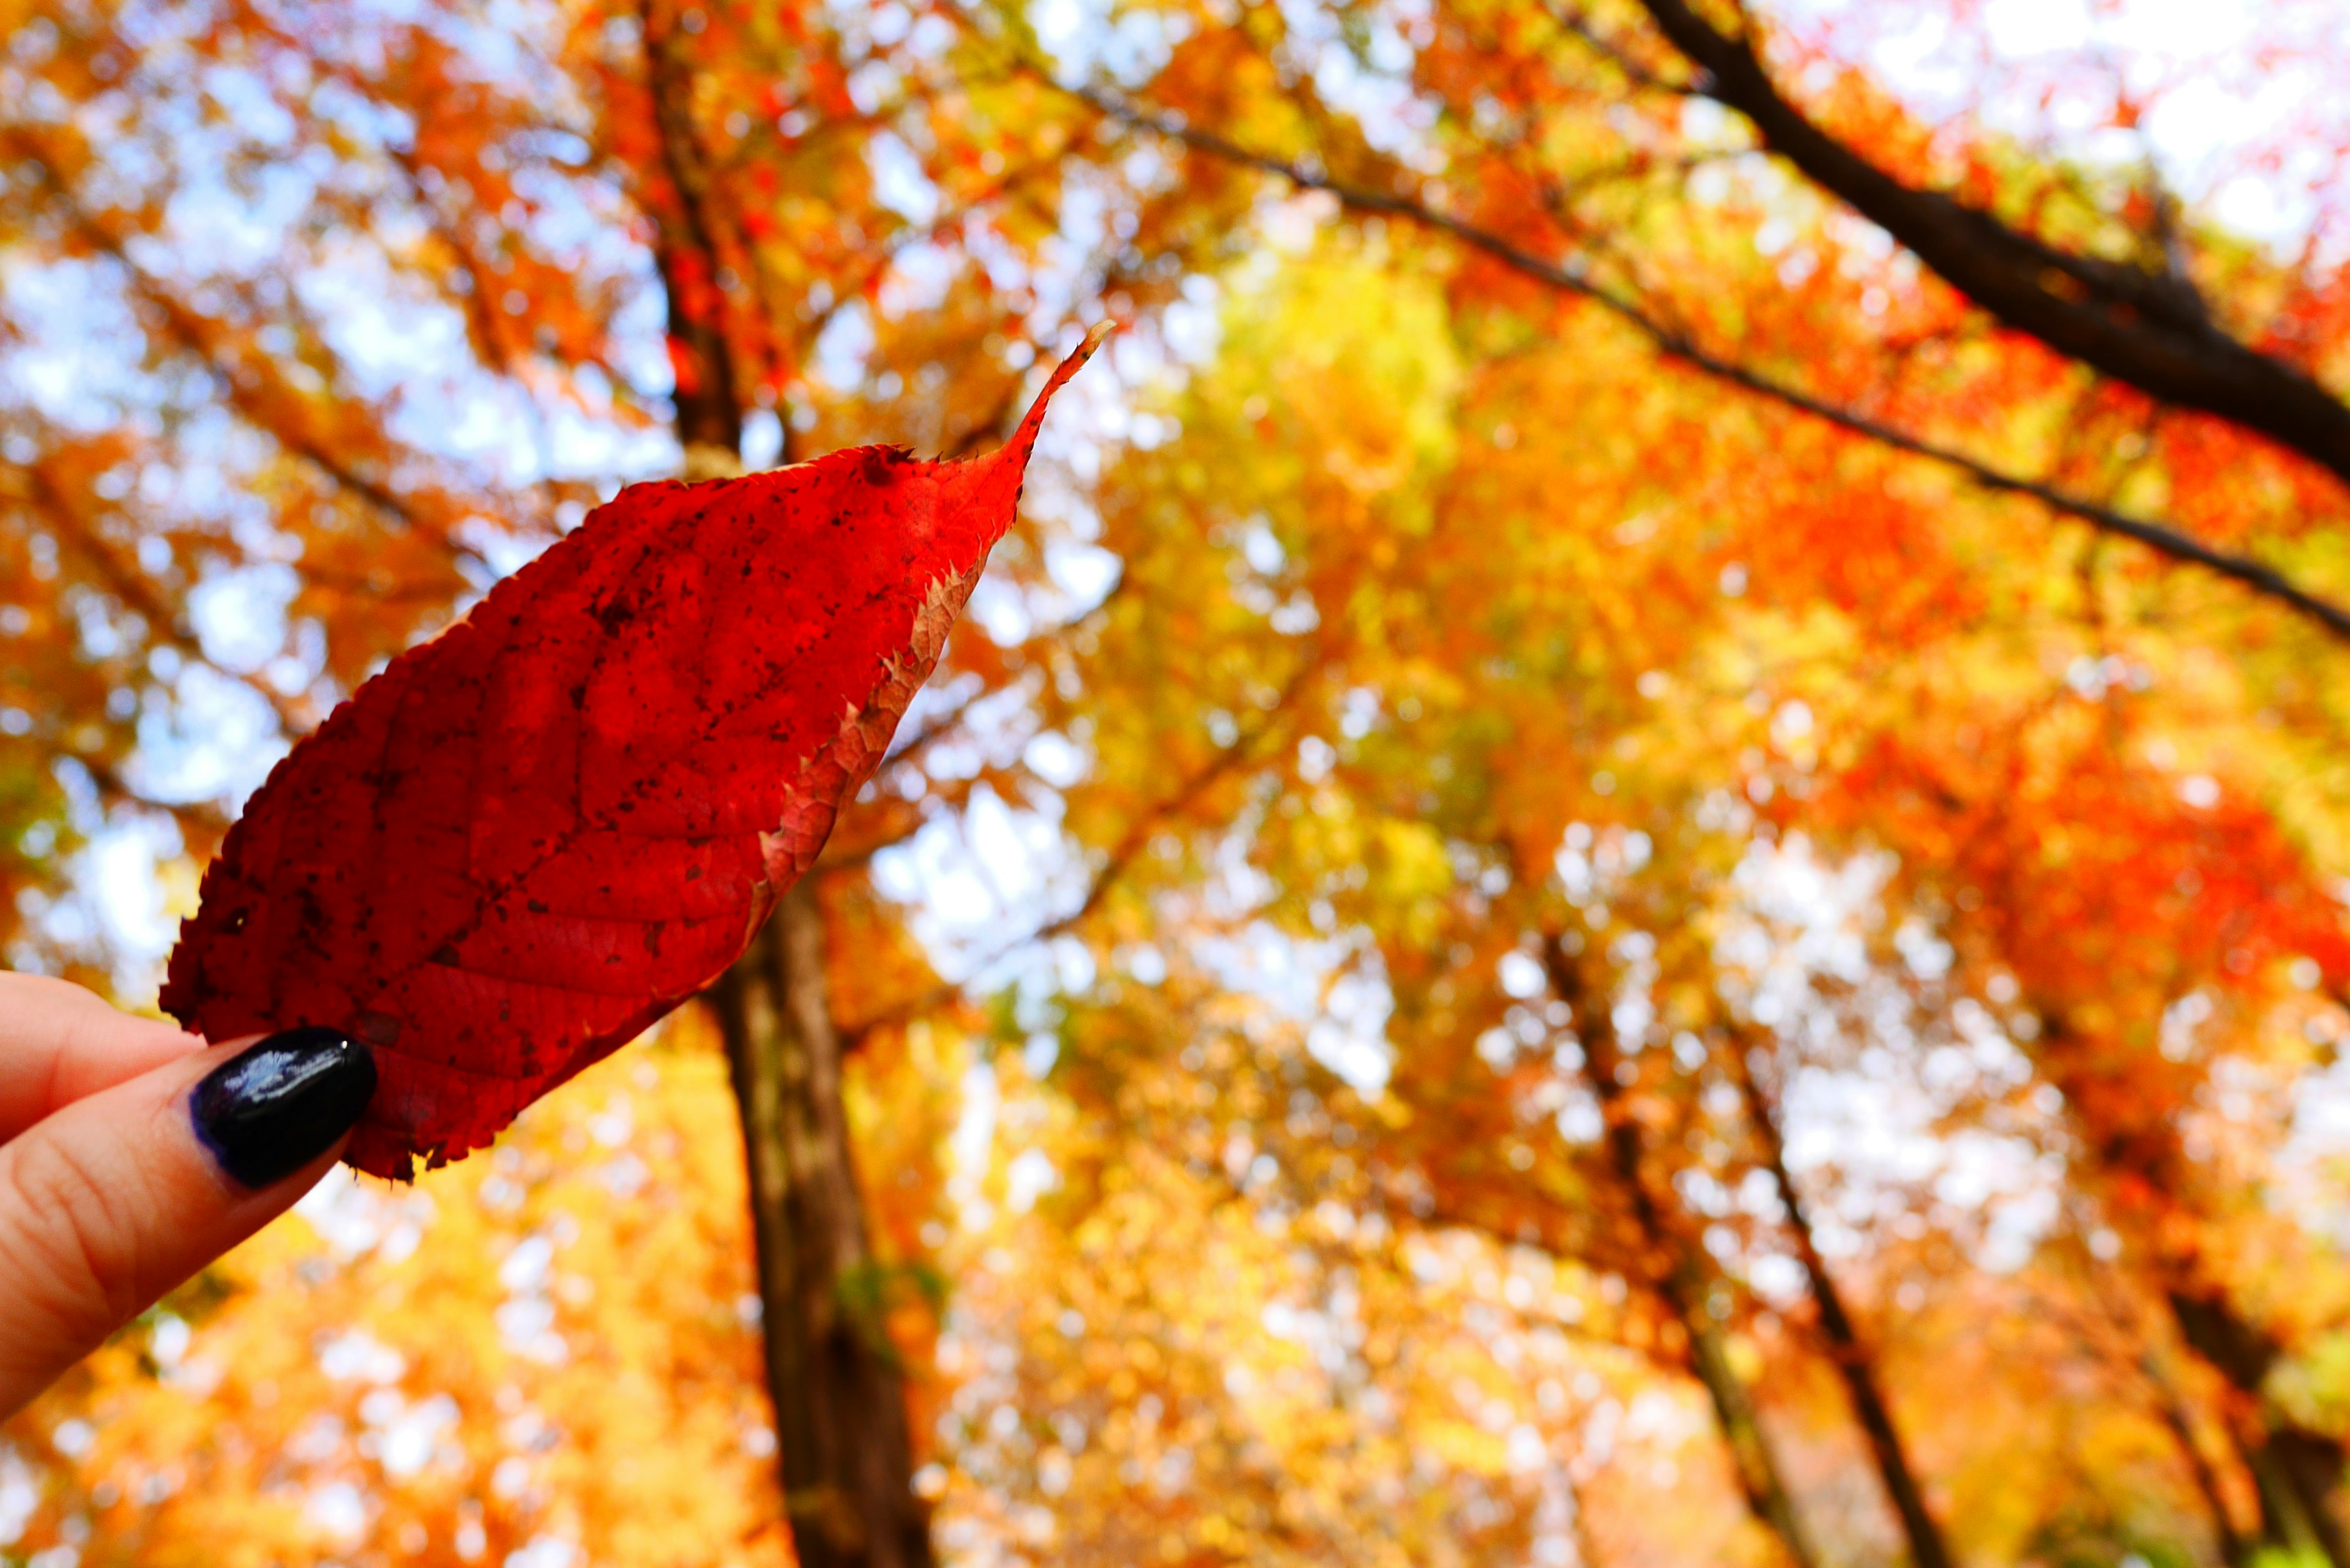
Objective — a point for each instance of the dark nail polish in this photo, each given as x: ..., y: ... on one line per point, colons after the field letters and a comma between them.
x: 274, y: 1106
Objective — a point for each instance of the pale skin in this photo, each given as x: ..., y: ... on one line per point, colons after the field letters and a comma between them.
x: 108, y: 1199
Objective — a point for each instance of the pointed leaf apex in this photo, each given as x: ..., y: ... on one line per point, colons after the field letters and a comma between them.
x: 1025, y: 439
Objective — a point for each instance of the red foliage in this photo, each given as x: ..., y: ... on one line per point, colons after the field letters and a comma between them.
x: 534, y: 835
x: 2105, y: 884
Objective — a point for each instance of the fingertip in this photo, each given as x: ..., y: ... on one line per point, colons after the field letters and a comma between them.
x: 281, y: 1103
x: 60, y: 1044
x: 121, y: 1196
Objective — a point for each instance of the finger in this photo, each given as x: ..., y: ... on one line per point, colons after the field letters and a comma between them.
x: 121, y: 1195
x: 59, y: 1043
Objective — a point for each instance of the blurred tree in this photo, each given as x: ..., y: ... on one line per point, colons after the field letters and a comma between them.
x: 547, y: 1350
x: 1610, y: 740
x: 1472, y: 718
x: 1563, y: 145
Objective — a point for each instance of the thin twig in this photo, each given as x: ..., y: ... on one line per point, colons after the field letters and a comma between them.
x: 1115, y: 866
x: 2162, y: 537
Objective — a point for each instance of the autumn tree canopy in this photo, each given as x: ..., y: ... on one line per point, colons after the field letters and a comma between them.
x: 1638, y: 858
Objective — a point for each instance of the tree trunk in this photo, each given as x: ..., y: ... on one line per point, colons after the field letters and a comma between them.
x: 1675, y: 1276
x: 2236, y: 1549
x: 844, y: 1450
x: 1750, y: 1447
x: 845, y: 1454
x: 2298, y: 1470
x: 1854, y: 1361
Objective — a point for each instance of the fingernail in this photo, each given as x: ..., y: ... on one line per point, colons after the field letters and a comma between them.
x: 278, y: 1104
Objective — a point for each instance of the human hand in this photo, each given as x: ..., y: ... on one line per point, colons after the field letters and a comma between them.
x: 132, y: 1155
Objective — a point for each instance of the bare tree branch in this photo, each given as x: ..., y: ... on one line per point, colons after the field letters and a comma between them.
x: 1121, y: 857
x: 2145, y: 328
x: 139, y: 594
x: 2163, y: 537
x: 249, y: 384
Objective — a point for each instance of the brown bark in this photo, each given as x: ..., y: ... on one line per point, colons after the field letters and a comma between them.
x: 1750, y: 1448
x: 1675, y: 1276
x: 1854, y: 1361
x: 845, y: 1451
x: 2236, y: 1549
x: 2146, y: 327
x: 2298, y: 1470
x: 707, y: 398
x: 2164, y: 537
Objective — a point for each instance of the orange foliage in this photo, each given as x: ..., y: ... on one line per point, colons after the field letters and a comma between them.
x: 1412, y: 694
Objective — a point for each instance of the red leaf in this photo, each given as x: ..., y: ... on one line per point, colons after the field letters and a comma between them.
x: 530, y: 837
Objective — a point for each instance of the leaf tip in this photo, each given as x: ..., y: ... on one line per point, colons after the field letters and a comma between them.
x: 1095, y: 335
